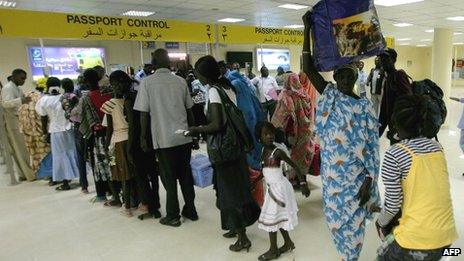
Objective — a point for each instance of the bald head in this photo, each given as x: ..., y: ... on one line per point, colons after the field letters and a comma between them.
x: 160, y: 59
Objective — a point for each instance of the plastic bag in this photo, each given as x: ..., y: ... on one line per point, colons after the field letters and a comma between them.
x: 344, y: 31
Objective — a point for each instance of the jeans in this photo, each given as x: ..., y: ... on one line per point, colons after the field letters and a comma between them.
x: 395, y: 252
x: 174, y: 165
x: 80, y: 147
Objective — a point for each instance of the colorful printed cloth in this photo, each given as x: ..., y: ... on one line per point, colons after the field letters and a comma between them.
x: 311, y: 91
x: 348, y: 130
x: 30, y: 125
x: 293, y: 114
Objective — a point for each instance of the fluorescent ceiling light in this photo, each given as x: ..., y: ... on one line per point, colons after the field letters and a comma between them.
x: 294, y: 26
x: 395, y: 2
x: 429, y: 31
x: 231, y: 20
x: 8, y: 4
x: 456, y: 18
x: 402, y: 24
x: 293, y: 6
x: 421, y: 45
x: 458, y: 43
x: 404, y: 44
x: 426, y: 40
x: 457, y: 33
x: 137, y: 13
x: 404, y: 39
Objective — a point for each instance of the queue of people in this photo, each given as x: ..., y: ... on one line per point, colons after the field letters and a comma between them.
x: 132, y: 131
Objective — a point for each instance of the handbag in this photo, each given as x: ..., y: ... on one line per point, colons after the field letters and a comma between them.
x: 234, y: 140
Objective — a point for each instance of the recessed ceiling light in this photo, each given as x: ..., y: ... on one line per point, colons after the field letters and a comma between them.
x: 137, y: 13
x: 293, y: 6
x: 395, y: 2
x: 404, y: 39
x: 421, y: 45
x: 426, y: 40
x: 402, y: 24
x: 294, y: 26
x: 457, y: 33
x: 458, y: 43
x: 8, y: 4
x: 429, y: 31
x: 231, y: 20
x: 456, y: 18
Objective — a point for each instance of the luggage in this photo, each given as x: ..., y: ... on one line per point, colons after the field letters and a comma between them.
x: 202, y: 171
x: 344, y: 31
x: 436, y: 107
x: 257, y: 186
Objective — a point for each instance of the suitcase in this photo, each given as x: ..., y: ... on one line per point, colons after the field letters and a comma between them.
x: 344, y: 31
x: 257, y: 186
x: 202, y: 171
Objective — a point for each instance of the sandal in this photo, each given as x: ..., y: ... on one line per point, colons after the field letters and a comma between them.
x: 112, y: 203
x: 63, y: 188
x: 127, y: 212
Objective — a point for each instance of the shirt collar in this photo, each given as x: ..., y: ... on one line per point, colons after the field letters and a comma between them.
x: 162, y: 70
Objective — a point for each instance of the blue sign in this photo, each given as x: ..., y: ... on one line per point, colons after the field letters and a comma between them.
x: 172, y: 45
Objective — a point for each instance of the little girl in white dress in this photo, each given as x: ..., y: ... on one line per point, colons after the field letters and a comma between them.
x: 279, y: 211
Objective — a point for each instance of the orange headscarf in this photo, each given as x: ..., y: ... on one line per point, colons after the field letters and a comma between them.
x: 310, y: 90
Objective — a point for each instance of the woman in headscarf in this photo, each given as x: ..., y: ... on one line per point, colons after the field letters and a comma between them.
x: 309, y: 89
x: 293, y: 115
x: 249, y: 104
x: 348, y: 130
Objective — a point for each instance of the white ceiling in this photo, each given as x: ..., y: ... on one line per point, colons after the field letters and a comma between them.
x: 424, y: 15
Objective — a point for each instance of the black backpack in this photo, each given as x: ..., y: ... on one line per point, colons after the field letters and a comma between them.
x: 234, y: 140
x: 436, y: 107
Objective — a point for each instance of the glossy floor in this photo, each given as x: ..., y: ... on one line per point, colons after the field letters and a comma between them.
x: 38, y: 223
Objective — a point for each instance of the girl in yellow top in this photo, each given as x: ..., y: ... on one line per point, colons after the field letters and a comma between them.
x: 417, y: 191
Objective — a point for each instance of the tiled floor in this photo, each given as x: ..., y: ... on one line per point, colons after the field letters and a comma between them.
x: 37, y: 223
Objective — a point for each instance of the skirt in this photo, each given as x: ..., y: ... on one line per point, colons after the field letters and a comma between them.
x: 235, y: 201
x: 121, y: 171
x: 64, y: 156
x: 280, y: 209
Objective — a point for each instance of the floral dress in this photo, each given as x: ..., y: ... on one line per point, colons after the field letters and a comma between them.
x: 348, y: 131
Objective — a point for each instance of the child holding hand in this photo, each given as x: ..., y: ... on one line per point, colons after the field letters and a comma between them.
x: 279, y: 211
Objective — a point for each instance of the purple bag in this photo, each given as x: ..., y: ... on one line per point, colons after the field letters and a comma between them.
x: 344, y: 31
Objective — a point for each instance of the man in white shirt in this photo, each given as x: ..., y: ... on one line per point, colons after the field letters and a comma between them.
x: 12, y: 98
x: 267, y: 91
x: 375, y: 81
x: 362, y: 79
x: 166, y: 98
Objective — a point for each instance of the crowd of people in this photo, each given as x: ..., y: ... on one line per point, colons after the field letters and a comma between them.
x: 133, y: 130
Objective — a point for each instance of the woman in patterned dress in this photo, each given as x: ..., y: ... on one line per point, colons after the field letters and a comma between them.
x: 293, y: 114
x: 348, y: 131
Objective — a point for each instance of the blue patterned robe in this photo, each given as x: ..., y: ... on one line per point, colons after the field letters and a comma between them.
x: 348, y: 132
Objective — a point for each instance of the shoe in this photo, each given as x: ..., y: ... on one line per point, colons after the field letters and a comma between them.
x: 157, y: 214
x: 268, y: 256
x: 85, y: 191
x: 240, y: 245
x: 22, y: 179
x: 63, y: 188
x: 230, y: 234
x: 192, y: 216
x: 126, y: 212
x: 175, y: 222
x: 284, y: 249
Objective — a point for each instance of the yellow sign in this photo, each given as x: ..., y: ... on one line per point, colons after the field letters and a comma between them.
x: 390, y: 42
x: 16, y: 23
x: 237, y: 34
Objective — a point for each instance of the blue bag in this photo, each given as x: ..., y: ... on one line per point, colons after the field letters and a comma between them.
x: 344, y: 31
x: 202, y: 171
x: 46, y: 167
